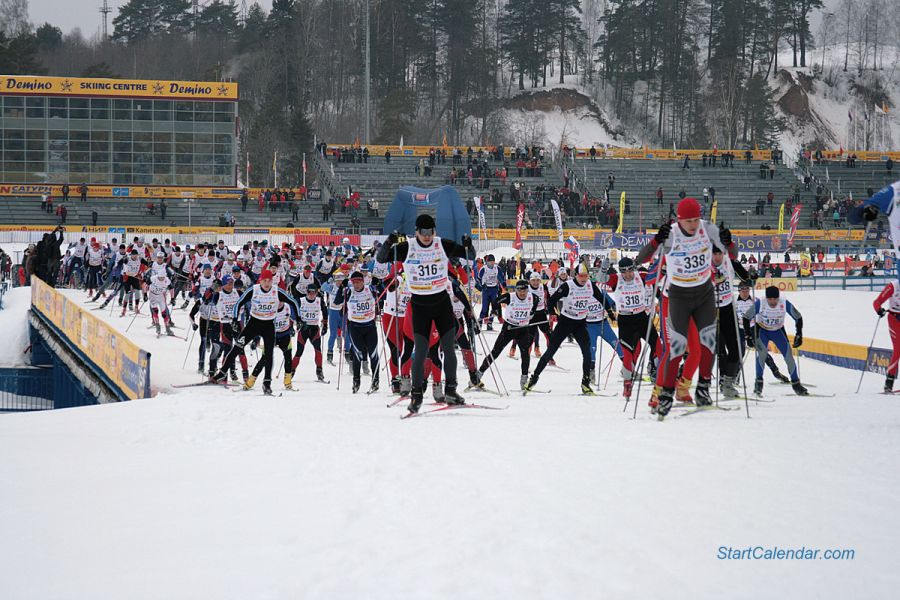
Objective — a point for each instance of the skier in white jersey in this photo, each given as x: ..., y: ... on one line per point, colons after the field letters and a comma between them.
x: 426, y: 258
x: 768, y: 316
x: 742, y: 302
x: 728, y: 343
x: 574, y: 295
x: 312, y: 327
x: 157, y: 290
x: 690, y: 296
x: 261, y: 302
x: 360, y: 310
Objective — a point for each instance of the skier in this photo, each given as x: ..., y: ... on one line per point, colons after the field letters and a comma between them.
x: 488, y: 280
x: 396, y: 297
x: 158, y: 289
x: 220, y: 333
x: 536, y: 286
x: 335, y: 313
x: 202, y: 293
x: 631, y: 300
x: 729, y: 349
x: 425, y: 261
x: 688, y: 257
x: 519, y: 308
x: 132, y: 267
x: 360, y: 309
x: 261, y: 302
x: 462, y: 312
x: 881, y: 202
x: 313, y: 325
x: 741, y: 304
x: 890, y: 294
x: 769, y: 318
x: 575, y: 297
x: 600, y: 313
x: 284, y: 335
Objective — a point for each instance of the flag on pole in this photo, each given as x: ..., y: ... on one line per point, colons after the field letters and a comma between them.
x: 444, y: 141
x: 304, y: 169
x: 795, y: 220
x: 713, y: 211
x: 781, y: 218
x: 520, y: 216
x: 621, y: 212
x: 879, y: 110
x: 558, y: 218
x: 884, y: 107
x: 574, y: 249
x: 482, y: 222
x: 247, y: 173
x: 275, y: 167
x: 401, y: 143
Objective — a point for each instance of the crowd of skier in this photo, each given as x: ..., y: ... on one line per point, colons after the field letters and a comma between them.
x: 674, y: 311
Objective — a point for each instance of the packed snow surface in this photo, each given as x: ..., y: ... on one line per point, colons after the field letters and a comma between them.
x: 323, y: 494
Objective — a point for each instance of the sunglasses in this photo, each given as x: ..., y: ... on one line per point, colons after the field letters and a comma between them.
x: 426, y: 231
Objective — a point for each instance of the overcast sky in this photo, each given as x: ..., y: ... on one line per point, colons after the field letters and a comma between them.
x: 85, y: 14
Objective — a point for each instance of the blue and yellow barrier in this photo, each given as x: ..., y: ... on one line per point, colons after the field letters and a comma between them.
x: 119, y: 361
x: 840, y: 354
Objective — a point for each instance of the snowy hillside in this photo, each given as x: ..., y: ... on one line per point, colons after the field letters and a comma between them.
x: 321, y: 494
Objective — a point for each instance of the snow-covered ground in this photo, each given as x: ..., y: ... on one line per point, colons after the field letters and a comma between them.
x: 322, y: 494
x: 14, y: 327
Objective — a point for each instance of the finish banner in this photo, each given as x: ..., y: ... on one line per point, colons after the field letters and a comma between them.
x: 36, y: 85
x: 125, y: 364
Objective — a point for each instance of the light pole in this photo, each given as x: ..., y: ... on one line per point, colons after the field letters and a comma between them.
x: 189, y: 202
x: 746, y: 213
x: 368, y: 75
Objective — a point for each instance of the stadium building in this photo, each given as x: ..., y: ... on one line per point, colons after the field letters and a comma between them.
x: 118, y: 132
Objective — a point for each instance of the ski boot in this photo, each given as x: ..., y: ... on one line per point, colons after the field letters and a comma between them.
x: 683, y: 391
x: 523, y: 380
x: 267, y: 388
x: 234, y: 375
x: 159, y: 329
x: 200, y: 367
x: 356, y: 383
x: 330, y: 358
x: 320, y: 375
x: 665, y: 402
x: 405, y: 385
x: 451, y: 397
x: 701, y: 396
x: 395, y: 385
x: 185, y: 304
x: 249, y: 382
x: 586, y: 389
x: 758, y: 387
x: 245, y: 374
x: 288, y: 377
x: 415, y: 402
x: 490, y: 326
x: 376, y: 381
x: 475, y: 380
x: 593, y: 374
x: 122, y: 314
x: 532, y: 382
x: 169, y: 330
x: 726, y: 385
x: 537, y: 352
x: 654, y: 399
x: 651, y: 370
x: 889, y: 384
x: 626, y: 391
x: 437, y: 392
x: 799, y: 389
x: 254, y: 344
x: 780, y: 376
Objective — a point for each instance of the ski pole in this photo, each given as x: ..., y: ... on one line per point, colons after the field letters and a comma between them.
x: 737, y: 332
x: 190, y: 343
x: 132, y: 321
x: 640, y: 366
x: 868, y: 350
x: 494, y: 374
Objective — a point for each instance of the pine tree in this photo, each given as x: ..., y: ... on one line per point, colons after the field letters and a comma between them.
x: 142, y: 19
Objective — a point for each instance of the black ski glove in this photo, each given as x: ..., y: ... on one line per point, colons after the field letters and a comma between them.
x: 798, y: 340
x: 725, y: 236
x: 393, y: 237
x: 881, y: 312
x: 467, y: 242
x: 324, y: 330
x: 663, y: 234
x: 870, y: 212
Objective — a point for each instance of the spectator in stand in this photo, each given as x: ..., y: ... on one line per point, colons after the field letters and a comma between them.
x: 260, y: 202
x: 687, y: 163
x: 762, y: 170
x: 593, y: 153
x: 387, y: 156
x: 65, y: 192
x: 244, y: 200
x: 520, y: 165
x: 151, y: 208
x: 49, y: 205
x: 748, y: 156
x: 612, y: 181
x: 94, y: 217
x: 770, y: 198
x: 659, y: 196
x: 163, y: 205
x: 44, y: 197
x: 295, y: 210
x: 889, y: 166
x: 61, y: 213
x: 836, y: 216
x: 772, y: 169
x: 83, y: 190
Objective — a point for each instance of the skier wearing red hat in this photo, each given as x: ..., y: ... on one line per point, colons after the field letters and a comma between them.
x: 688, y: 253
x: 261, y: 302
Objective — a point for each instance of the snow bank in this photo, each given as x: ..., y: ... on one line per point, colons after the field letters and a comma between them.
x: 14, y: 325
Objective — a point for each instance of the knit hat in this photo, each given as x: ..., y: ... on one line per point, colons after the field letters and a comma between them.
x: 689, y: 208
x: 424, y: 221
x: 772, y: 292
x: 266, y: 274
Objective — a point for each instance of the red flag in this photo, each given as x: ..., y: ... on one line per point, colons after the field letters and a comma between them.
x: 304, y: 163
x: 795, y: 220
x: 520, y: 216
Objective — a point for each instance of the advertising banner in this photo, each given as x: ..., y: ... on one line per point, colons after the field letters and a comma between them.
x: 125, y: 364
x: 37, y: 85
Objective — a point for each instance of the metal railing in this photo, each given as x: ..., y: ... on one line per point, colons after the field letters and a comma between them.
x: 24, y: 389
x: 870, y: 284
